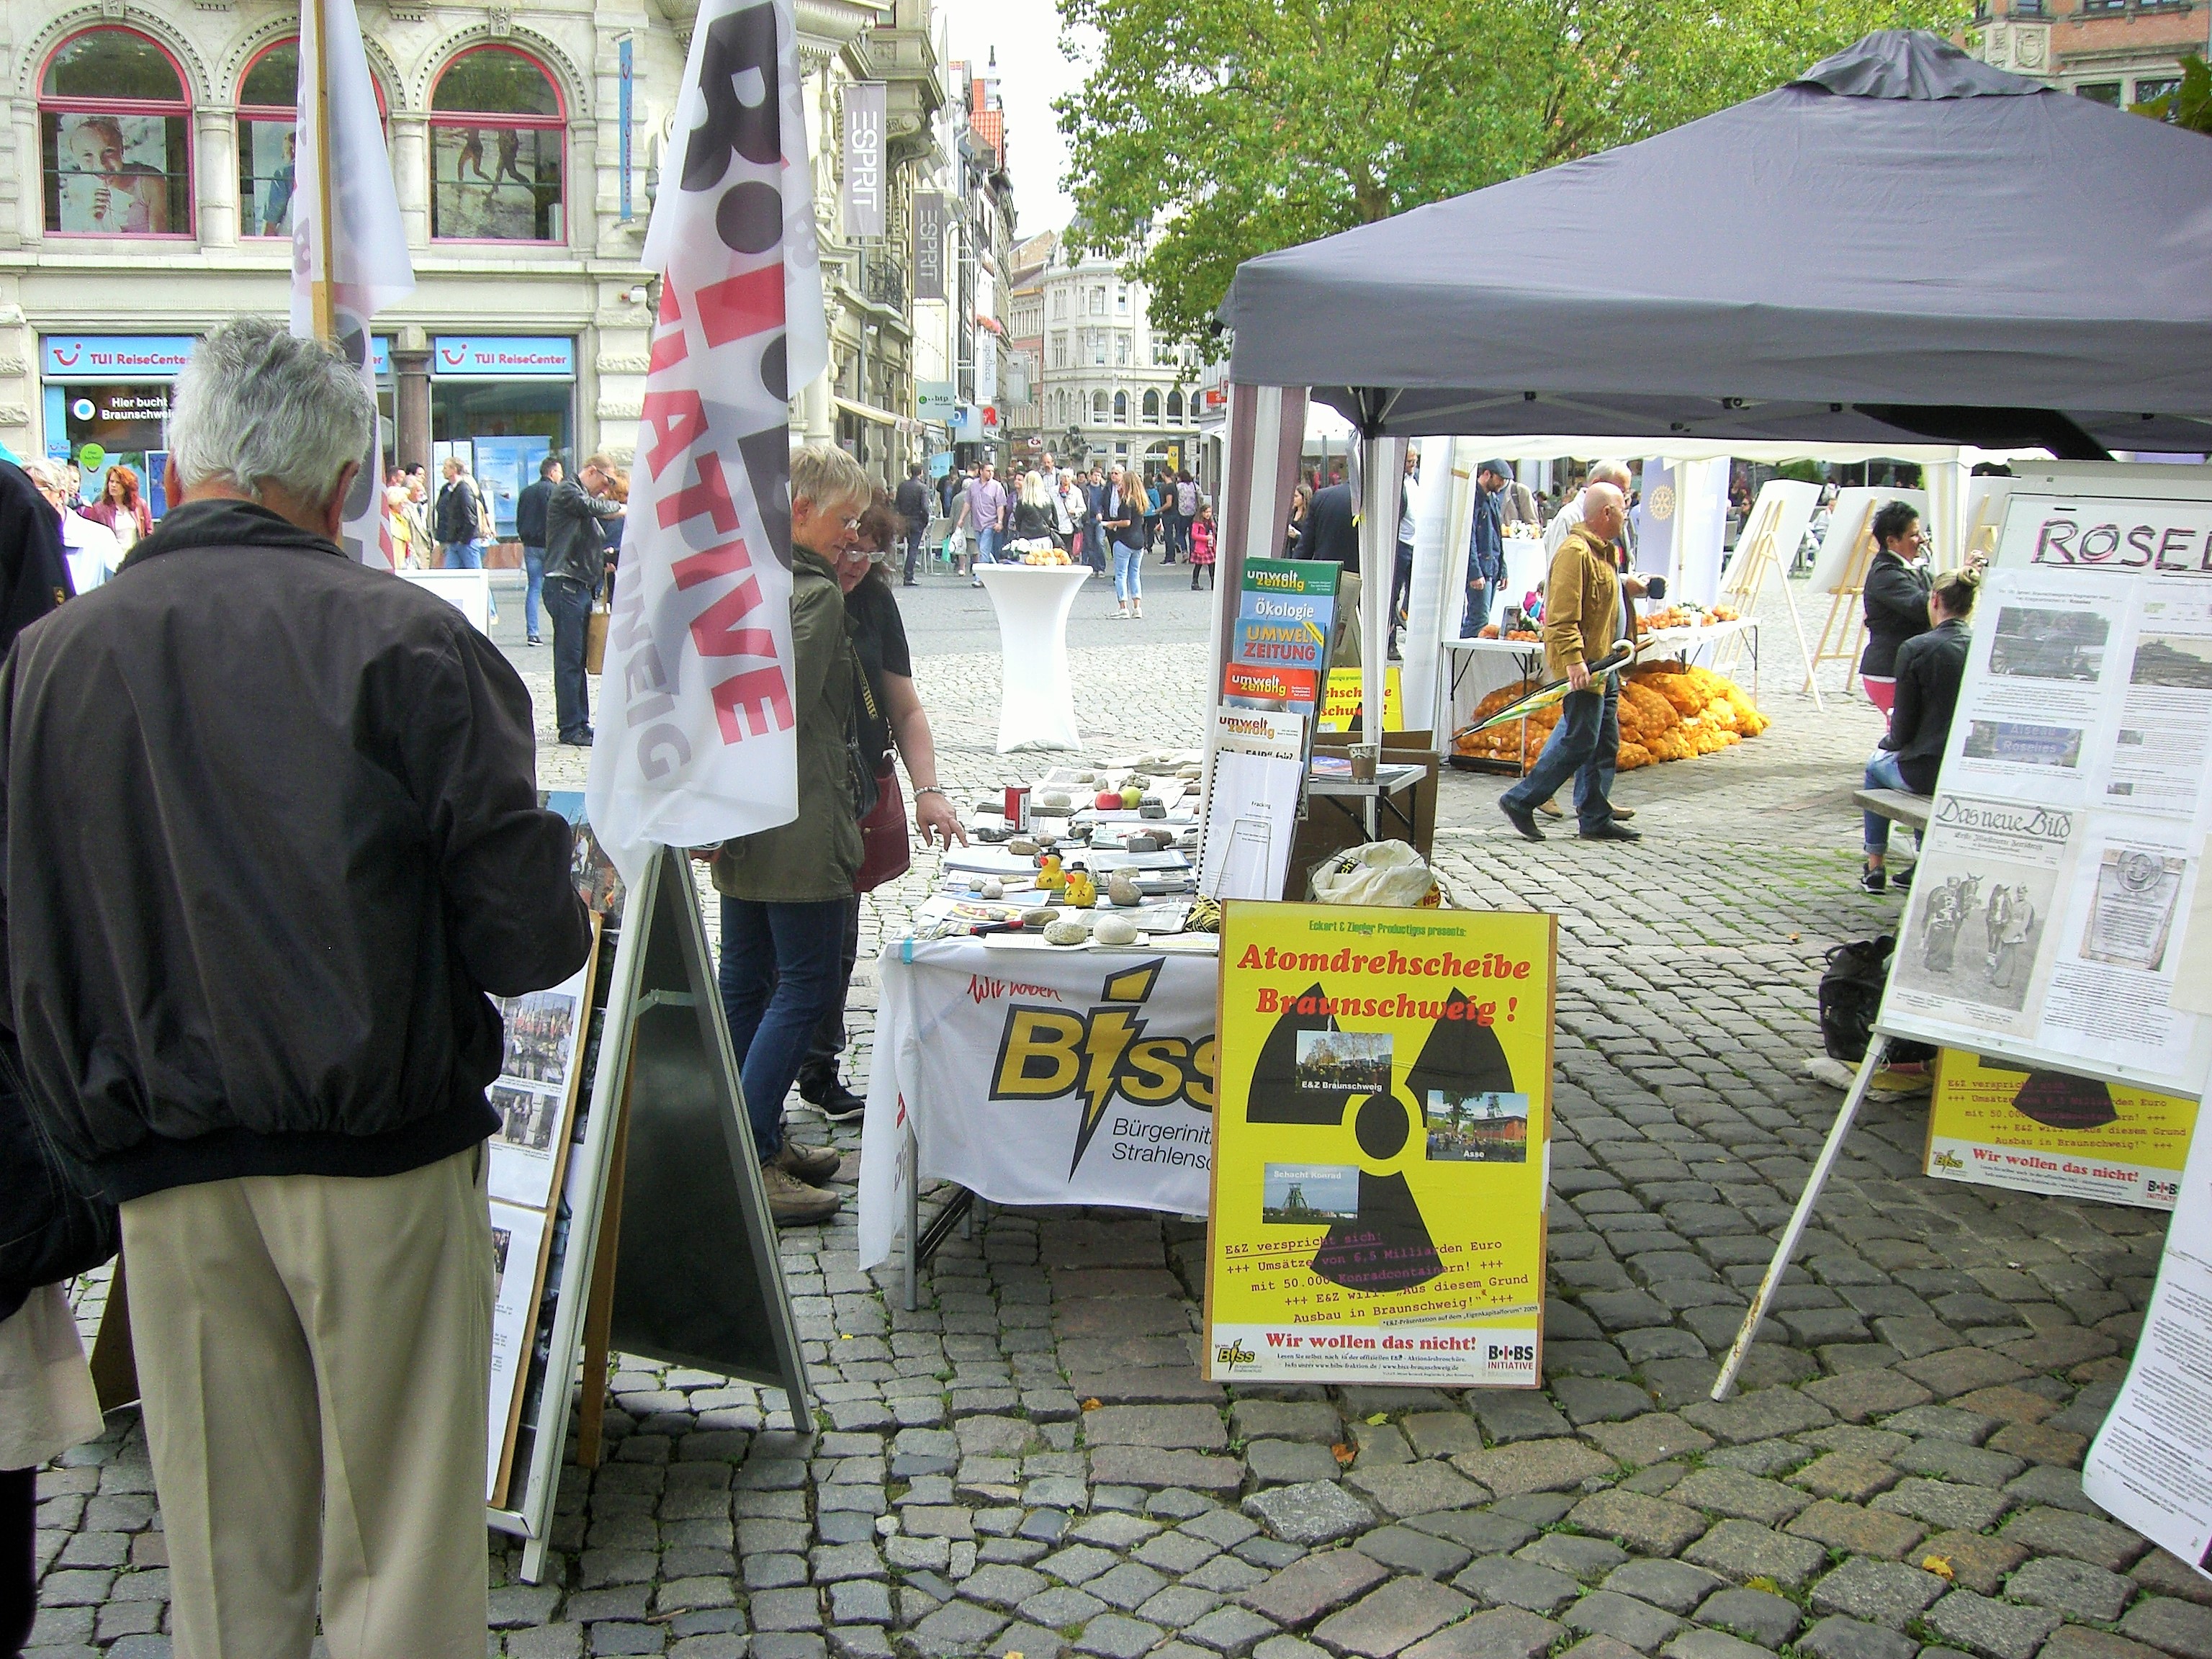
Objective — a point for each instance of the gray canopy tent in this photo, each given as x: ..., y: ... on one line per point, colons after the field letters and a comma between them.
x: 1904, y: 245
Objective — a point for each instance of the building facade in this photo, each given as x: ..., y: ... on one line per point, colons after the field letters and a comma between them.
x: 1110, y: 391
x: 2117, y: 51
x: 146, y: 199
x: 1030, y: 259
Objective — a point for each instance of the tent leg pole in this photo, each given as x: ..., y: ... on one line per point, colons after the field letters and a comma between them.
x: 1797, y: 626
x: 1877, y: 1050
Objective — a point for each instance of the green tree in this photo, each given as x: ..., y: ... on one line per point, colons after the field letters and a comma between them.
x: 2190, y: 105
x: 1212, y: 130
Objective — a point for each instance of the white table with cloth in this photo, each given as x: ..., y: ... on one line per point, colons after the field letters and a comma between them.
x: 1037, y: 704
x: 1031, y: 1073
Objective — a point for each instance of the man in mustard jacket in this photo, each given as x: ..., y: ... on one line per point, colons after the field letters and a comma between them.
x: 1582, y: 619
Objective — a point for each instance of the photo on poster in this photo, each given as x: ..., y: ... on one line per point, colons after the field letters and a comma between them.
x: 1308, y: 1194
x: 2181, y: 662
x: 1975, y: 925
x: 484, y: 182
x: 114, y: 175
x: 2132, y: 909
x: 518, y: 1237
x: 541, y: 1034
x: 501, y: 1237
x: 272, y: 154
x: 2037, y: 644
x: 1338, y: 1062
x: 526, y: 1116
x: 1479, y: 1128
x: 2023, y: 744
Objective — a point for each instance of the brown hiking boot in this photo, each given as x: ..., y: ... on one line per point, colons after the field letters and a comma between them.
x: 812, y: 1164
x: 791, y: 1202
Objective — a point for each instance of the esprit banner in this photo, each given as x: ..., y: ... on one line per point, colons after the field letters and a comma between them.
x: 865, y: 107
x: 1040, y: 1077
x: 362, y: 266
x: 1379, y: 1168
x: 696, y: 742
x: 929, y: 245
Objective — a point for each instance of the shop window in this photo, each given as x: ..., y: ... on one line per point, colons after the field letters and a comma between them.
x: 1120, y: 408
x: 1175, y: 405
x: 2100, y: 92
x: 497, y: 134
x: 115, y: 134
x: 1151, y: 409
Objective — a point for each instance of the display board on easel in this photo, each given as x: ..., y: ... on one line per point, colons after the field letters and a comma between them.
x: 661, y: 1244
x: 1763, y: 554
x: 2051, y: 922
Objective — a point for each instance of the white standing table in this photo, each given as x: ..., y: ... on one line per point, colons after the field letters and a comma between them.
x: 1037, y: 704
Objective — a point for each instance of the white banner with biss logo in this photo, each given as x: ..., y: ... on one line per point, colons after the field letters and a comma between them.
x: 1041, y: 1076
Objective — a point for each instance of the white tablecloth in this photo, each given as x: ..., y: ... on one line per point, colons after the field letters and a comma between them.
x: 985, y: 1056
x: 1037, y: 704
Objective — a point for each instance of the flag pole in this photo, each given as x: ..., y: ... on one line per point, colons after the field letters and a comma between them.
x: 326, y: 313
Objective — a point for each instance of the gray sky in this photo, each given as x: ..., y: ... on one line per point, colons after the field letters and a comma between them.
x: 1031, y: 74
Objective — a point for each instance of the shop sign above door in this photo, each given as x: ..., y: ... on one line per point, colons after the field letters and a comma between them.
x: 502, y: 356
x: 113, y: 356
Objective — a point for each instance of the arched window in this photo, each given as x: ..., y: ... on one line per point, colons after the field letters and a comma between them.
x: 1098, y: 409
x: 268, y: 125
x: 115, y: 134
x: 1174, y: 406
x: 497, y: 135
x: 1151, y: 409
x: 1120, y: 408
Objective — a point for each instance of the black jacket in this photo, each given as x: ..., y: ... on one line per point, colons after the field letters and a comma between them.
x: 574, y: 548
x: 1896, y: 610
x: 529, y: 513
x: 912, y: 505
x: 1929, y: 670
x: 34, y: 576
x: 460, y: 512
x: 302, y: 841
x: 49, y: 1231
x: 1330, y: 533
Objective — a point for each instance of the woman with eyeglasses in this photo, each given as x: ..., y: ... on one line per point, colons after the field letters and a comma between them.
x: 890, y: 715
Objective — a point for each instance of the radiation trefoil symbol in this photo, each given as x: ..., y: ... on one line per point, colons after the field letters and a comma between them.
x: 1386, y: 1245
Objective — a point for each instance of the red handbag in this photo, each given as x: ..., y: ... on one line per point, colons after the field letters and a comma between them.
x: 886, y: 848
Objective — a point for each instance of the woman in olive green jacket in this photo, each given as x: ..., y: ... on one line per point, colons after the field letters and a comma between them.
x: 784, y: 891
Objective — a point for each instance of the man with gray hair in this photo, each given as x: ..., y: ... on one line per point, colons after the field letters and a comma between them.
x: 271, y: 828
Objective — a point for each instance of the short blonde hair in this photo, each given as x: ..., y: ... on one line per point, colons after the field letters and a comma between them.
x: 827, y: 476
x: 603, y: 461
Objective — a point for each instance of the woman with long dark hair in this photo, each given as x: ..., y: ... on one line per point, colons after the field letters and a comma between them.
x: 1896, y: 598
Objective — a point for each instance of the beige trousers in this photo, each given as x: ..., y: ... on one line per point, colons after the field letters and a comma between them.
x: 314, y: 1352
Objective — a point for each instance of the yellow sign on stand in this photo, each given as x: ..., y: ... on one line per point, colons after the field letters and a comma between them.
x: 1380, y: 1146
x: 1996, y: 1124
x: 1340, y: 700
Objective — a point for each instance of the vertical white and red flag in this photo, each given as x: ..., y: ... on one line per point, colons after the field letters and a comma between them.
x: 696, y: 740
x: 349, y: 249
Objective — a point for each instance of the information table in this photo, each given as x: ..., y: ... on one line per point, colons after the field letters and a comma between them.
x: 1032, y: 1074
x: 1037, y: 704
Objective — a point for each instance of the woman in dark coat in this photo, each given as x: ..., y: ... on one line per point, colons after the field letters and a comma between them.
x: 1896, y: 598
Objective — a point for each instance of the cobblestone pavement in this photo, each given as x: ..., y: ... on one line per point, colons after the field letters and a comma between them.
x: 1900, y: 1475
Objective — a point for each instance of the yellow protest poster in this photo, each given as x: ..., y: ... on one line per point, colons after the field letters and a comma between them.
x: 1339, y: 704
x: 1381, y: 1134
x: 1994, y: 1123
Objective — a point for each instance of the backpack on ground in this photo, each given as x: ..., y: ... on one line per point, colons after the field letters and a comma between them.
x: 1850, y: 998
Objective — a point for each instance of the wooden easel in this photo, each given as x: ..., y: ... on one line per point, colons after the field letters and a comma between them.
x: 1756, y: 559
x: 1842, y: 635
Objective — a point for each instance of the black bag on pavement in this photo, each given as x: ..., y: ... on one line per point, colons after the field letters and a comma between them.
x: 1850, y: 998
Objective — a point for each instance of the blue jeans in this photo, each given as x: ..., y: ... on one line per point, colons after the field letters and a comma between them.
x: 986, y: 546
x: 533, y: 567
x: 1127, y: 559
x: 780, y: 976
x: 1883, y: 773
x: 1584, y: 745
x: 568, y: 602
x: 1477, y: 615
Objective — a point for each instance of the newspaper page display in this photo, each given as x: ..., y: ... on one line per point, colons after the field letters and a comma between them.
x: 1992, y: 1122
x: 2147, y: 1467
x: 2050, y: 912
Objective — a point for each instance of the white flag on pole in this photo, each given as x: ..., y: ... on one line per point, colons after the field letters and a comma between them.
x: 696, y: 731
x: 365, y: 263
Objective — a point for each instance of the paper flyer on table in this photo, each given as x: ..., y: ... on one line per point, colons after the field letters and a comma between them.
x: 2148, y: 1465
x: 2052, y: 907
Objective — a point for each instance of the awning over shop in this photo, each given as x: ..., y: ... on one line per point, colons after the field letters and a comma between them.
x: 871, y: 412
